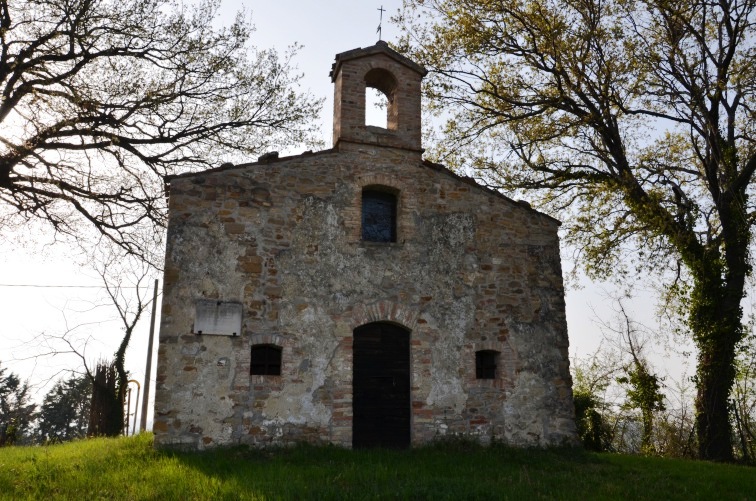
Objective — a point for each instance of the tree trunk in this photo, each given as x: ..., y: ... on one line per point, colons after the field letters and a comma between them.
x: 715, y: 319
x: 120, y: 365
x: 106, y: 411
x: 647, y: 417
x: 716, y: 376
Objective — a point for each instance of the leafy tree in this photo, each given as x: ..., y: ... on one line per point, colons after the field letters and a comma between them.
x: 64, y: 414
x: 642, y: 385
x: 16, y: 412
x: 637, y: 118
x: 592, y: 428
x: 591, y: 378
x: 644, y: 393
x: 99, y: 99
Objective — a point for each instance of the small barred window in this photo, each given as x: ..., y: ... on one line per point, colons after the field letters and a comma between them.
x: 266, y: 360
x: 485, y: 364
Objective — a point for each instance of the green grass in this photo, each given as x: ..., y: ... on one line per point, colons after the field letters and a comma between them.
x: 129, y: 468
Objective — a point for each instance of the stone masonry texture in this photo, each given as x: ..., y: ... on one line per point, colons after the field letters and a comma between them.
x: 471, y: 270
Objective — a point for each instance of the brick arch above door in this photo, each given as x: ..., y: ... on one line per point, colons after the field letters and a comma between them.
x: 384, y: 311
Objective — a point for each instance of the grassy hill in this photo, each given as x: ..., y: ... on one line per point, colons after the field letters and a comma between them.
x: 129, y: 468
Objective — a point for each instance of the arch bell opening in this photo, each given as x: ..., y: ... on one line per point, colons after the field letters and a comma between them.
x: 382, y: 82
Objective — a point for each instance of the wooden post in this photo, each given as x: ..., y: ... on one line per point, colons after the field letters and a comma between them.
x: 148, y: 370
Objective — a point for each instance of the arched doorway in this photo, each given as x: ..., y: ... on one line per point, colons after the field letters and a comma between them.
x: 381, y: 386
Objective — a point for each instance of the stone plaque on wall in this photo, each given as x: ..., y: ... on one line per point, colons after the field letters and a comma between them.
x: 218, y: 318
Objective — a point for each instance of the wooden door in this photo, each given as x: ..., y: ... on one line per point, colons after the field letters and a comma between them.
x: 381, y: 386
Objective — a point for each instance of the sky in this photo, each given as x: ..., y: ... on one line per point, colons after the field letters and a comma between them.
x: 66, y: 297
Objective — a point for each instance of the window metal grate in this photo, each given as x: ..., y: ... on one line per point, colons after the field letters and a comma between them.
x: 266, y: 360
x: 378, y: 216
x: 485, y: 364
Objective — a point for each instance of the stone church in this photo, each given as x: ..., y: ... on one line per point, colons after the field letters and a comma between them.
x: 360, y: 295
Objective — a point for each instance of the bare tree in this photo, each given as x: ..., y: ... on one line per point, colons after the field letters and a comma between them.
x: 125, y: 282
x: 99, y: 99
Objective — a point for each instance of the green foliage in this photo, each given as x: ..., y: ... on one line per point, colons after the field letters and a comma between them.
x: 64, y: 414
x: 129, y: 468
x: 614, y: 415
x: 643, y: 390
x: 619, y: 404
x: 674, y: 434
x: 593, y: 430
x: 16, y: 412
x: 591, y: 378
x: 643, y: 393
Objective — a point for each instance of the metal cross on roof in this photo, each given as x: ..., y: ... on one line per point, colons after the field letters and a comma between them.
x: 380, y: 22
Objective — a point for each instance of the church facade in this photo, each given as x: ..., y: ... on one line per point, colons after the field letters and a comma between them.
x: 360, y: 295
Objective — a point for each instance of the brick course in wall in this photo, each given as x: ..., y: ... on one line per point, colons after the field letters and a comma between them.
x: 471, y: 270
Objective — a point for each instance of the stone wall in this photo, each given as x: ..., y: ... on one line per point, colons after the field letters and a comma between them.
x: 471, y: 270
